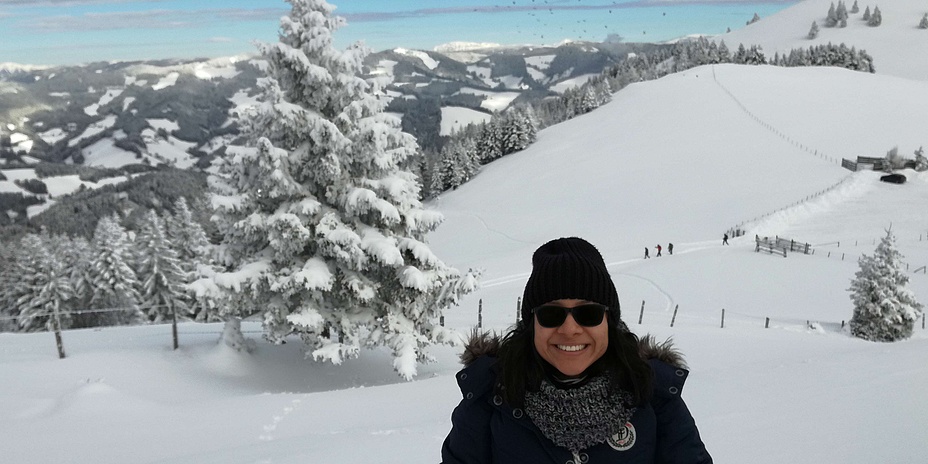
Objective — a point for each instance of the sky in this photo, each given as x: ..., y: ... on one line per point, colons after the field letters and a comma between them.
x: 54, y: 32
x: 796, y: 393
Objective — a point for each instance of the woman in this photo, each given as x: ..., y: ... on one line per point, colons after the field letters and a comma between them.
x: 570, y: 384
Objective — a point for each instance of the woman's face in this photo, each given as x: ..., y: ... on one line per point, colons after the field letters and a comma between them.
x: 570, y: 347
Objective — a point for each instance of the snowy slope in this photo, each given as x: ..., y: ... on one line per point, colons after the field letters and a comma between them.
x: 897, y: 46
x: 678, y: 160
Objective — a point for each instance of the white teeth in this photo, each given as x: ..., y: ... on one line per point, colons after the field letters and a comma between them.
x: 571, y: 347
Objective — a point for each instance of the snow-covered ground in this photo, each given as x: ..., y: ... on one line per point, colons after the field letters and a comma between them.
x: 678, y: 160
x: 455, y: 118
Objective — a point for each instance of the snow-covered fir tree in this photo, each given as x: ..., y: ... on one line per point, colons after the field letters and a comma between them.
x: 320, y: 217
x: 9, y: 286
x: 195, y: 254
x: 724, y: 53
x: 893, y: 160
x: 112, y: 281
x: 187, y: 236
x: 854, y: 8
x: 159, y: 272
x: 46, y: 291
x: 876, y: 18
x: 76, y: 255
x: 489, y: 143
x: 866, y: 15
x: 921, y: 161
x: 841, y: 14
x: 518, y: 129
x: 754, y: 55
x: 754, y: 19
x: 884, y: 308
x: 457, y: 164
x: 831, y: 19
x: 923, y: 24
x: 813, y: 32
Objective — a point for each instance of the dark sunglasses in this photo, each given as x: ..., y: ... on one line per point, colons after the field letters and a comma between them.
x: 587, y: 315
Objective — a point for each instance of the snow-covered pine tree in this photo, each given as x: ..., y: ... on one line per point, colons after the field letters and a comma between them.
x: 854, y: 8
x: 754, y: 19
x: 831, y: 19
x: 724, y: 53
x: 320, y: 218
x: 187, y: 236
x: 490, y: 141
x: 885, y: 309
x: 9, y: 283
x: 866, y: 16
x: 841, y: 14
x: 921, y: 162
x: 75, y: 255
x: 876, y: 18
x: 923, y: 24
x: 754, y: 55
x: 46, y: 288
x: 456, y: 165
x: 159, y: 272
x: 195, y: 254
x: 113, y: 283
x: 813, y: 32
x: 518, y: 129
x: 893, y: 160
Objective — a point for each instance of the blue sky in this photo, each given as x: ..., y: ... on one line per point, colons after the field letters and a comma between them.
x: 75, y: 31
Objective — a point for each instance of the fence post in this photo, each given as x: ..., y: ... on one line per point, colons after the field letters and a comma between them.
x: 842, y: 256
x: 767, y: 323
x: 674, y: 318
x: 441, y: 320
x: 923, y: 321
x: 641, y: 314
x: 58, y: 341
x: 174, y: 324
x: 480, y: 314
x: 723, y: 318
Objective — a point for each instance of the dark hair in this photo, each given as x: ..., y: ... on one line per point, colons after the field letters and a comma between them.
x: 521, y: 369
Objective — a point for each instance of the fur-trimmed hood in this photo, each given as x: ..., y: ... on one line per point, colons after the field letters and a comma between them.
x: 487, y: 343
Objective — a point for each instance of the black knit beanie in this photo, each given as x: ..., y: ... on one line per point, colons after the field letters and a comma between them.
x: 569, y: 268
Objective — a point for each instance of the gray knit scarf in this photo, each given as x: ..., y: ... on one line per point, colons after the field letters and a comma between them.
x: 580, y: 417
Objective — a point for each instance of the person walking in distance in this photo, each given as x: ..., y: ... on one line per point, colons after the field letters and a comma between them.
x: 658, y: 250
x: 646, y: 256
x: 670, y: 248
x: 725, y: 239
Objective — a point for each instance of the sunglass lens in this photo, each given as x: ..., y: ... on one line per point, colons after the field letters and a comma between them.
x: 550, y: 316
x: 589, y: 315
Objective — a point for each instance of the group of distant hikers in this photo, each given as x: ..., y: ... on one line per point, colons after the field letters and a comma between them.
x: 659, y: 249
x: 670, y: 248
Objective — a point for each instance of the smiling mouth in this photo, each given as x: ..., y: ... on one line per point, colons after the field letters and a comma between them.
x: 570, y: 348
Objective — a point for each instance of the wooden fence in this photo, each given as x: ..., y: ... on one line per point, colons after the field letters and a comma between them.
x: 781, y: 245
x: 871, y: 163
x: 768, y: 246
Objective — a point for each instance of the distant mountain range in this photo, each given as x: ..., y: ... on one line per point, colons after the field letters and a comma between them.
x: 115, y: 119
x: 83, y: 128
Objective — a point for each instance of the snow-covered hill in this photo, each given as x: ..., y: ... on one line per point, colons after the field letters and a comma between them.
x: 680, y: 160
x: 898, y: 46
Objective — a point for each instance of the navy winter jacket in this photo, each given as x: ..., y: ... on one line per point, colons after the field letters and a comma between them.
x: 485, y: 430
